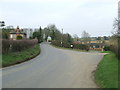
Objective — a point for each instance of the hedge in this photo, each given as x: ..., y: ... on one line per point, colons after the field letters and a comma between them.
x: 19, y: 37
x: 5, y: 45
x: 106, y: 48
x: 80, y: 46
x: 115, y: 47
x: 17, y: 45
x: 68, y: 45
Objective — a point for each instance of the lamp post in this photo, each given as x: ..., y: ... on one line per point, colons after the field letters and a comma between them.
x: 62, y: 38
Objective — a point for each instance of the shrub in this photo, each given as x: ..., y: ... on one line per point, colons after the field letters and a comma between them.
x: 17, y: 45
x: 106, y: 48
x: 66, y: 45
x: 115, y: 46
x: 19, y: 37
x: 56, y: 43
x: 5, y: 35
x: 118, y: 49
x: 81, y: 46
x: 5, y: 46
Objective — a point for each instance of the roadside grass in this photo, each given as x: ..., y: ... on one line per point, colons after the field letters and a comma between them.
x: 105, y: 52
x: 18, y: 57
x: 107, y: 72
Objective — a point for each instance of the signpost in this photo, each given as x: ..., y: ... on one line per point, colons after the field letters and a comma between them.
x: 2, y: 23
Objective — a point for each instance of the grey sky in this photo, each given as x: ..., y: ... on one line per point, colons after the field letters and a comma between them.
x: 74, y: 16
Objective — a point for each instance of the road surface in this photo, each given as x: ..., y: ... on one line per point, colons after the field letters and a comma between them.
x: 53, y: 68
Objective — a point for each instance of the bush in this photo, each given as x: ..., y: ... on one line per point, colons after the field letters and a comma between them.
x: 81, y: 46
x: 5, y: 46
x: 118, y: 48
x: 106, y: 48
x: 5, y: 35
x: 66, y: 45
x: 56, y: 43
x: 19, y: 37
x: 115, y: 45
x: 17, y: 45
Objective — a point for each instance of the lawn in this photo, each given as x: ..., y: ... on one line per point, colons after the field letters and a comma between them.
x: 18, y: 57
x: 107, y: 72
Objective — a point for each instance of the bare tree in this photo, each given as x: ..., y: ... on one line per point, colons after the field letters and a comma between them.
x: 115, y: 39
x: 116, y: 27
x: 55, y: 34
x: 85, y: 36
x: 76, y: 38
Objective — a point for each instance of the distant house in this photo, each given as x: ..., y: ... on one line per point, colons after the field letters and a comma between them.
x: 94, y: 44
x: 28, y: 31
x: 77, y: 42
x: 49, y: 39
x: 17, y: 32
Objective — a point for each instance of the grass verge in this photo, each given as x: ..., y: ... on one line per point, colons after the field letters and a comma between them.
x: 107, y: 72
x: 18, y: 57
x: 106, y: 52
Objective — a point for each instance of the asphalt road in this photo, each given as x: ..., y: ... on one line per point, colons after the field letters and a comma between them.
x: 53, y: 68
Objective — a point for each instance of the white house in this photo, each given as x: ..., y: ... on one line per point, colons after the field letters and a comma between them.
x: 29, y: 32
x: 49, y: 39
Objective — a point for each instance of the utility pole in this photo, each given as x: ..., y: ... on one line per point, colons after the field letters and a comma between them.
x: 62, y: 38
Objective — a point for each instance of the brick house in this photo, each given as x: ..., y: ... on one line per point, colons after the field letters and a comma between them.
x: 17, y: 32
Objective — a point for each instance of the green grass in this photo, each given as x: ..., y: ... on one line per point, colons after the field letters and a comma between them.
x: 107, y: 72
x: 18, y: 57
x: 106, y: 52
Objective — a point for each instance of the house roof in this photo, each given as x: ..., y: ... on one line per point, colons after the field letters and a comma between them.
x: 18, y: 33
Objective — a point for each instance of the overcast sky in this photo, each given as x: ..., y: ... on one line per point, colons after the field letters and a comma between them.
x: 74, y: 16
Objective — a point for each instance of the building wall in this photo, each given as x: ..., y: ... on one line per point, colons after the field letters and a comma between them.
x: 28, y: 31
x: 14, y: 36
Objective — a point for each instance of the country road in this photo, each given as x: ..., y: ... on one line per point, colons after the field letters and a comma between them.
x: 53, y: 68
